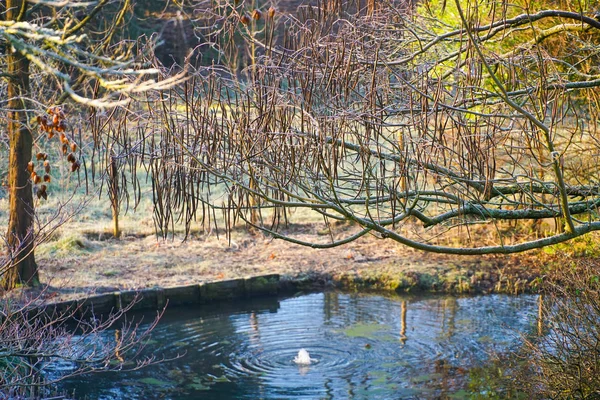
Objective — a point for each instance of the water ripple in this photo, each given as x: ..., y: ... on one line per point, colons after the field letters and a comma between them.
x: 365, y: 347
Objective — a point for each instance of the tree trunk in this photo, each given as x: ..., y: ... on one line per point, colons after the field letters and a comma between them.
x: 114, y: 194
x: 20, y: 237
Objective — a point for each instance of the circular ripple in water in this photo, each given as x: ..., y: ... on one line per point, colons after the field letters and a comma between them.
x: 366, y: 347
x: 280, y: 361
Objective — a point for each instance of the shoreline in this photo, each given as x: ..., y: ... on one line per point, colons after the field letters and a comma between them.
x: 157, y: 298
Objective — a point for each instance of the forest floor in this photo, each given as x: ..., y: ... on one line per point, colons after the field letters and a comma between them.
x: 76, y: 266
x: 82, y: 258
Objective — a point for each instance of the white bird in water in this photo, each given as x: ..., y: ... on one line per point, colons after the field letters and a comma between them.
x: 303, y: 358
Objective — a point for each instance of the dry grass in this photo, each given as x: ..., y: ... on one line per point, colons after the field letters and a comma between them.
x: 84, y: 257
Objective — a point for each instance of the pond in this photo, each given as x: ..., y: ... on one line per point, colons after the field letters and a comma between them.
x: 363, y: 346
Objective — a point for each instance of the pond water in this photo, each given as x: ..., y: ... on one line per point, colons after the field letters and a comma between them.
x: 364, y: 346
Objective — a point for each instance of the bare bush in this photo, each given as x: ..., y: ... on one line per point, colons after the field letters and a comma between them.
x: 563, y: 361
x: 41, y: 345
x: 413, y: 122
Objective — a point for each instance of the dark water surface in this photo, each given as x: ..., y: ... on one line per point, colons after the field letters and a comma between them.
x: 366, y: 347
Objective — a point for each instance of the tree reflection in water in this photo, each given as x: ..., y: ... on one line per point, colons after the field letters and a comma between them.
x: 368, y: 347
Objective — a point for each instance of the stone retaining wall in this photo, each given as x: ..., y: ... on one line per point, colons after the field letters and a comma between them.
x: 158, y: 298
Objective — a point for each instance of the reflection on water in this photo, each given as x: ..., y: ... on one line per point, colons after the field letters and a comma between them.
x: 366, y: 347
x: 403, y: 323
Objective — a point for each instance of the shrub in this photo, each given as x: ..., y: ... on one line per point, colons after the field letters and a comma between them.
x: 563, y: 359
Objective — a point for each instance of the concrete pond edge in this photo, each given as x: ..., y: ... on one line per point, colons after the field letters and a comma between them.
x: 157, y: 298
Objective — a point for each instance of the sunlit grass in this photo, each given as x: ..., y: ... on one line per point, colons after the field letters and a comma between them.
x: 67, y: 244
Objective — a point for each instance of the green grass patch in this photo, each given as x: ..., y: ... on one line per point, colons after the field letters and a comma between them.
x: 66, y: 245
x: 582, y: 246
